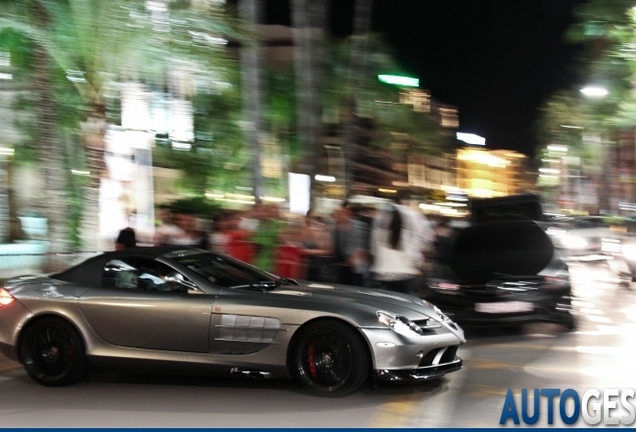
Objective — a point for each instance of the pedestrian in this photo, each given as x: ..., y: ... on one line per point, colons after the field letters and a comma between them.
x: 190, y: 234
x: 127, y: 237
x: 266, y: 237
x: 167, y: 229
x: 238, y: 243
x: 443, y: 239
x: 219, y: 238
x: 399, y: 239
x: 349, y: 246
x: 316, y: 244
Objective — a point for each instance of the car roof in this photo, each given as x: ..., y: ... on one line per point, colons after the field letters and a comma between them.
x: 90, y: 272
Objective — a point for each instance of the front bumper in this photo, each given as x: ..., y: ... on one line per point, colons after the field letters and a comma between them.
x: 424, y: 373
x: 399, y: 358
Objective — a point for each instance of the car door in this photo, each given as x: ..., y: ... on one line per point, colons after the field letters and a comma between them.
x: 135, y: 307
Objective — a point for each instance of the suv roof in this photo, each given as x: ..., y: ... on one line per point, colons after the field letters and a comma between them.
x: 512, y: 207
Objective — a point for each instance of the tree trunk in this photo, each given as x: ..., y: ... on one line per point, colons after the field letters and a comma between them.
x: 94, y: 131
x: 4, y: 200
x: 54, y: 203
x: 361, y: 26
x: 250, y: 57
x: 308, y: 20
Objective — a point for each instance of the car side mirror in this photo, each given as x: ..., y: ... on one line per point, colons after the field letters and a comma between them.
x: 176, y: 277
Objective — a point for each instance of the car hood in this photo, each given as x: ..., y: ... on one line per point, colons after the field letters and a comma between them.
x: 510, y: 248
x: 376, y: 299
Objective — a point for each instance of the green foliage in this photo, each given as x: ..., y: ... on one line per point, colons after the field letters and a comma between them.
x: 218, y: 154
x: 96, y: 44
x: 338, y: 80
x: 197, y: 205
x: 18, y: 46
x: 607, y: 32
x: 281, y: 109
x: 378, y: 100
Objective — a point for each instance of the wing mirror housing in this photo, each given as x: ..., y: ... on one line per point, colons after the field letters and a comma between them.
x: 176, y: 277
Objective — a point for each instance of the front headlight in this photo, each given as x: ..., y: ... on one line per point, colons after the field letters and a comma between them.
x: 629, y: 251
x: 573, y: 242
x: 442, y: 316
x: 400, y: 324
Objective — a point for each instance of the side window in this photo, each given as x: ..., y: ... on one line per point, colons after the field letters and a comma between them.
x: 139, y: 273
x: 118, y: 274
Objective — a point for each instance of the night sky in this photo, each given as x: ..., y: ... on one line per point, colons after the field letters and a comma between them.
x: 497, y: 61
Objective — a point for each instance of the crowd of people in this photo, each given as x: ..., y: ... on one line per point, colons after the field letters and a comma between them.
x: 384, y: 247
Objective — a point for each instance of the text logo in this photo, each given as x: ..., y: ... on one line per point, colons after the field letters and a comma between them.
x: 609, y: 407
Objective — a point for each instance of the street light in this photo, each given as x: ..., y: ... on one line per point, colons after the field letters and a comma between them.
x: 593, y: 91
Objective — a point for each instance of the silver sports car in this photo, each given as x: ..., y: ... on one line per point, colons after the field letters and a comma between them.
x: 189, y: 311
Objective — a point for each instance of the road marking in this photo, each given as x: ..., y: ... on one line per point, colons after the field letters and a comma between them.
x: 485, y: 364
x: 484, y: 390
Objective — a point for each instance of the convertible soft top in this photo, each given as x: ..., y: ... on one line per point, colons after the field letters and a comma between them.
x: 89, y: 272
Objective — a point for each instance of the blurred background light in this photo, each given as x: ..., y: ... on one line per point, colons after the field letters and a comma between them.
x: 299, y: 193
x: 558, y: 148
x: 325, y: 178
x: 594, y: 91
x: 399, y: 80
x: 470, y: 138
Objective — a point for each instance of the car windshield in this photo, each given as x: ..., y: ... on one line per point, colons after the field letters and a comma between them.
x: 224, y: 271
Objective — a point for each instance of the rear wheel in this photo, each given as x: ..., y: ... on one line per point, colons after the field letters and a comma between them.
x: 53, y: 353
x: 330, y: 359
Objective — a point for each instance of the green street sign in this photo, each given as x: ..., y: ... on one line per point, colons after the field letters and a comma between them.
x: 399, y: 80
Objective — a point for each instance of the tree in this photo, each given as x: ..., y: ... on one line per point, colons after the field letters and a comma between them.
x: 308, y: 17
x: 378, y: 100
x: 250, y: 55
x: 361, y: 28
x: 34, y: 15
x: 606, y: 33
x: 101, y: 43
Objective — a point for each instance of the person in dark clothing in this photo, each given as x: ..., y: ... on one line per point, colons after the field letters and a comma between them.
x: 352, y: 255
x: 126, y: 239
x: 316, y: 247
x: 443, y: 239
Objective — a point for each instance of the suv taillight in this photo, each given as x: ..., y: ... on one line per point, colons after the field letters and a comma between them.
x: 5, y: 297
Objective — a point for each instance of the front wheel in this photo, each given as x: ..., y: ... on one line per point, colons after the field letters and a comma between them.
x: 330, y: 359
x: 53, y: 353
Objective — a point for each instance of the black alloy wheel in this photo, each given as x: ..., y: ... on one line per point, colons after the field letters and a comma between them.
x: 330, y: 359
x: 53, y: 353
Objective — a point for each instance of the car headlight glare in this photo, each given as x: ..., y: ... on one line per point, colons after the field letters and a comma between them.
x: 400, y: 324
x: 629, y: 251
x: 573, y: 242
x: 442, y: 316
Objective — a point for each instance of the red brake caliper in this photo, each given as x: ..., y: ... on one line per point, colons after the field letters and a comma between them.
x: 313, y: 370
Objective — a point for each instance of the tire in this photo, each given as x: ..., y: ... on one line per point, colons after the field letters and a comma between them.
x: 330, y: 359
x: 570, y: 323
x: 53, y: 353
